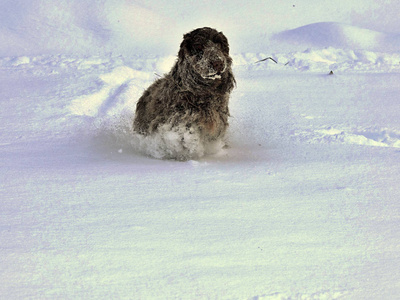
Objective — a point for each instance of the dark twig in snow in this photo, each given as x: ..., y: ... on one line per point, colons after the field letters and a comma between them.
x: 267, y: 59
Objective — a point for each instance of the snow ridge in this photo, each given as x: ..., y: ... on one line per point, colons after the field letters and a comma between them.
x: 332, y: 34
x: 311, y: 59
x: 377, y: 137
x: 322, y: 60
x: 326, y: 295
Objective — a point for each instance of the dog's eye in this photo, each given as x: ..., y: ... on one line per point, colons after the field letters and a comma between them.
x: 197, y: 49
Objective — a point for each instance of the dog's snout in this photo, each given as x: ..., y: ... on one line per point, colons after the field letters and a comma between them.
x: 218, y: 65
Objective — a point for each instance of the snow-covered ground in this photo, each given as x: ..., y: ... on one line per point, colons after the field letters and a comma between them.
x: 304, y: 204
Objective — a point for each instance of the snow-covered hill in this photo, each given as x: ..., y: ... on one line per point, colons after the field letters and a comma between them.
x: 330, y: 34
x: 95, y: 27
x: 137, y: 27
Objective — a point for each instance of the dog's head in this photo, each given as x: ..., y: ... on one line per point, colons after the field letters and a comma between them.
x: 207, y: 52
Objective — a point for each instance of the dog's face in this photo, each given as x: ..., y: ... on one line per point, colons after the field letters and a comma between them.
x: 207, y: 52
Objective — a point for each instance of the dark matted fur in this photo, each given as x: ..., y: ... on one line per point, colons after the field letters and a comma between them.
x: 195, y: 93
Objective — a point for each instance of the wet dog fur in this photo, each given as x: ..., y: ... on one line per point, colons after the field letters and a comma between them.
x: 194, y: 95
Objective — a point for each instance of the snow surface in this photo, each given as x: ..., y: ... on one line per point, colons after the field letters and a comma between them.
x: 304, y: 204
x: 329, y: 34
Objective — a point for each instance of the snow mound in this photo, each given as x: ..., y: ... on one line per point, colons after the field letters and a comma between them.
x: 331, y: 34
x: 113, y: 95
x: 327, y: 295
x: 90, y: 27
x: 376, y: 137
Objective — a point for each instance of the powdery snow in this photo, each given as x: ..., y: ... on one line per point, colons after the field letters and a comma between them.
x: 303, y: 204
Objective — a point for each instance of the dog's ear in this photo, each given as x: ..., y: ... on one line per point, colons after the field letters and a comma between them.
x: 187, y: 44
x: 183, y: 46
x: 221, y: 39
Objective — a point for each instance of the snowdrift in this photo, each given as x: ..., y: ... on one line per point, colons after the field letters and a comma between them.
x: 95, y: 27
x: 135, y: 28
x: 330, y: 34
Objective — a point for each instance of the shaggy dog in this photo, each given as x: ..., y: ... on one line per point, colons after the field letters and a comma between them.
x: 192, y: 100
